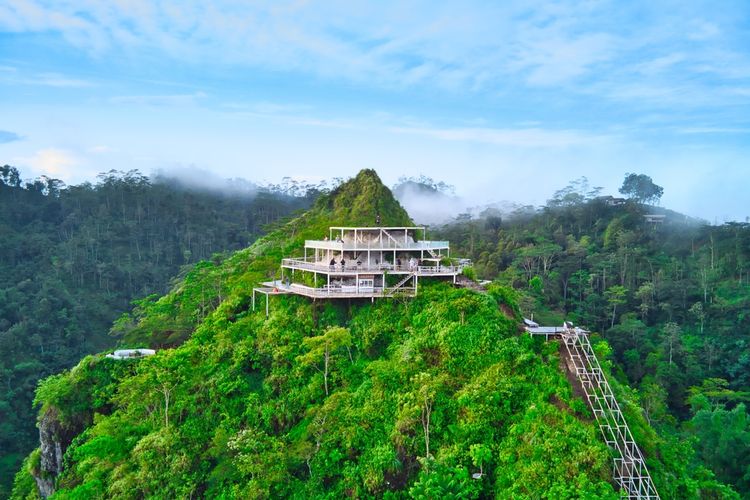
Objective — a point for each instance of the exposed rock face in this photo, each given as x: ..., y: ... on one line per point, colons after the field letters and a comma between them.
x: 54, y: 439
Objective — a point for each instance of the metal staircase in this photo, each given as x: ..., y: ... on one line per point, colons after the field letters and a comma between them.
x: 389, y: 292
x: 630, y: 472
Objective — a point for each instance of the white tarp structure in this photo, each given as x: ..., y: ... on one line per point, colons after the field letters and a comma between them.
x: 131, y: 353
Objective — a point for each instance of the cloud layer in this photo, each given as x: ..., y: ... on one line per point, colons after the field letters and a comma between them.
x: 504, y: 100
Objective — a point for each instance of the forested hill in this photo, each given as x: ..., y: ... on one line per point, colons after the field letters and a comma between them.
x: 439, y: 396
x: 671, y: 297
x: 73, y: 258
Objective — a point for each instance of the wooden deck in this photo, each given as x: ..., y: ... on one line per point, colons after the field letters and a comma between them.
x: 350, y: 269
x: 336, y: 292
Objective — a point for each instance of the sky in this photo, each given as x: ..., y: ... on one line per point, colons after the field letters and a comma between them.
x: 505, y: 100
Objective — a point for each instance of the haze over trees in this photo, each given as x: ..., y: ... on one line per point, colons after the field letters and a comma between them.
x: 670, y: 297
x: 434, y: 397
x: 408, y: 397
x: 72, y: 258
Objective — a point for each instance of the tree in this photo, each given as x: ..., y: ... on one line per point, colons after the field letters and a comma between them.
x: 672, y: 333
x: 323, y: 346
x: 641, y: 188
x: 615, y: 296
x: 724, y: 443
x: 697, y: 311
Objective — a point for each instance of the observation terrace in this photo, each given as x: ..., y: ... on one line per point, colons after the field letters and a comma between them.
x: 364, y: 262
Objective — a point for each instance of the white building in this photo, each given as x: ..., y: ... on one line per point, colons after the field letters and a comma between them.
x: 365, y: 262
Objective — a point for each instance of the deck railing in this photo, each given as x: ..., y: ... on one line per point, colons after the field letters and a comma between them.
x: 309, y: 265
x: 384, y: 244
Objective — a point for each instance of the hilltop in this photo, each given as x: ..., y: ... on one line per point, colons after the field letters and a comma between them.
x: 437, y: 396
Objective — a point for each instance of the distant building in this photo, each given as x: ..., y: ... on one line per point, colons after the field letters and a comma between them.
x: 611, y: 201
x: 654, y: 218
x: 367, y: 262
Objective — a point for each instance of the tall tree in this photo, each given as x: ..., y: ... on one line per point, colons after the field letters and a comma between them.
x: 641, y: 188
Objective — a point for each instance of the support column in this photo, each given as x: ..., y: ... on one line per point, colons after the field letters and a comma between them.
x: 253, y: 299
x: 267, y: 305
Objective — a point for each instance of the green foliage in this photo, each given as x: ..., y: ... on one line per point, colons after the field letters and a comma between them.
x: 641, y: 188
x: 671, y: 299
x: 73, y: 258
x: 459, y: 384
x: 438, y: 395
x: 470, y: 273
x: 724, y: 443
x: 24, y: 486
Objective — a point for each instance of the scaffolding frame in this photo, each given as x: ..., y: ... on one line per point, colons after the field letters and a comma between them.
x: 629, y: 471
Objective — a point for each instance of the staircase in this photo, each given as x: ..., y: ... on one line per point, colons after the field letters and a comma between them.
x: 630, y: 472
x: 389, y: 292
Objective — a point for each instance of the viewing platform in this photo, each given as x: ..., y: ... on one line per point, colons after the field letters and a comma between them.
x: 309, y: 264
x: 364, y: 262
x: 337, y: 291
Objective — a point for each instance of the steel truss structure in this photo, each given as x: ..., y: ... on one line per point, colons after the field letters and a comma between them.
x: 630, y: 471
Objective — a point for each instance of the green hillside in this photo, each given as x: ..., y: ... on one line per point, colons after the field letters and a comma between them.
x: 72, y: 258
x: 670, y: 297
x: 439, y: 396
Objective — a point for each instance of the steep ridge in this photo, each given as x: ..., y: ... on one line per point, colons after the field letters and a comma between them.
x: 431, y: 397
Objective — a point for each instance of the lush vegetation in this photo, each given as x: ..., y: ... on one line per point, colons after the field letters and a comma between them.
x: 431, y: 397
x: 671, y: 298
x: 72, y: 259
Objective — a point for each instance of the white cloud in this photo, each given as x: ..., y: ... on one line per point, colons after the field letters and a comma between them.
x: 13, y: 76
x: 471, y: 46
x: 53, y: 162
x: 521, y: 138
x: 160, y: 100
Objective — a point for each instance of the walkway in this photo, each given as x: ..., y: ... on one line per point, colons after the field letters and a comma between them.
x: 630, y: 471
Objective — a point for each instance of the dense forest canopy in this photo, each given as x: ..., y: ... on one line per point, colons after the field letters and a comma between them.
x: 671, y: 295
x: 432, y: 397
x: 437, y: 396
x: 72, y: 258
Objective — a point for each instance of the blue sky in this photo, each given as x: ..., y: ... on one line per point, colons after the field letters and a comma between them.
x: 505, y: 100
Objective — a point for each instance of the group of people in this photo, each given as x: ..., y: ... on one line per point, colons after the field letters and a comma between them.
x: 413, y: 263
x: 333, y: 263
x: 337, y: 240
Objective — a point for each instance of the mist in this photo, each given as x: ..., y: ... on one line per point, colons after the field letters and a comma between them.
x: 435, y: 203
x: 197, y: 179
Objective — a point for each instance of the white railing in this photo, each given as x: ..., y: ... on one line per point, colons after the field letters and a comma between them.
x: 300, y: 263
x: 384, y: 244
